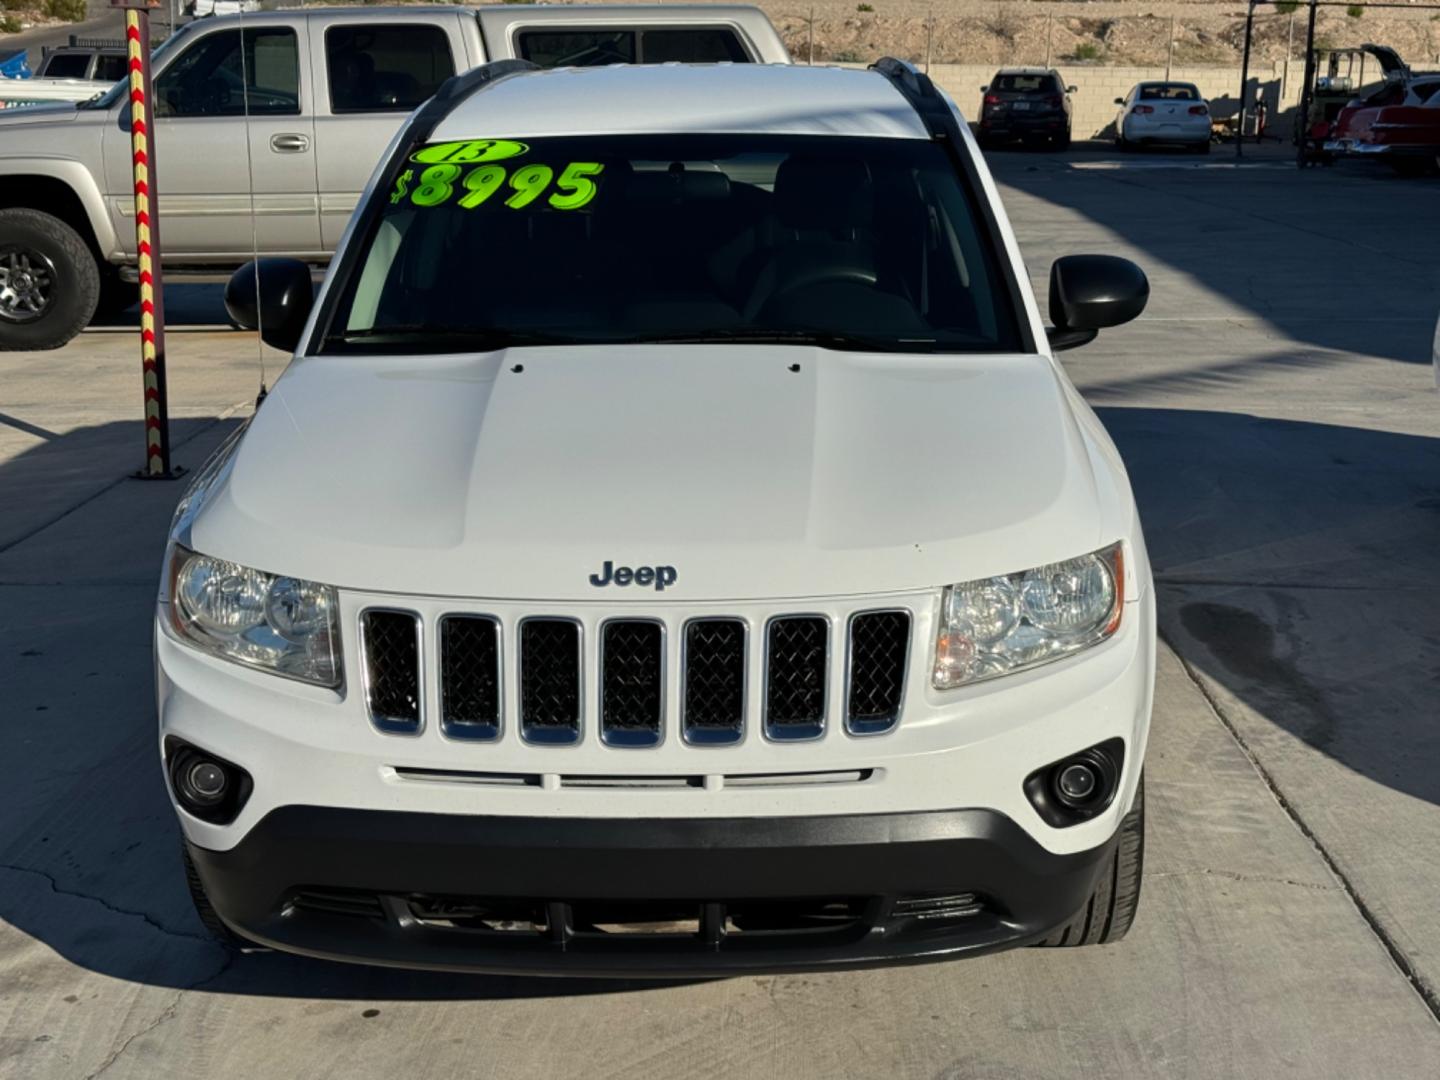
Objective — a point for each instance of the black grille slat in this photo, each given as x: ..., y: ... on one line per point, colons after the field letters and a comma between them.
x: 632, y: 682
x: 470, y: 676
x: 392, y: 669
x: 879, y: 649
x: 550, y: 680
x: 713, y: 709
x: 796, y: 669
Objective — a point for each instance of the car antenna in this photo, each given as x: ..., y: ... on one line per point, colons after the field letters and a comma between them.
x: 254, y: 224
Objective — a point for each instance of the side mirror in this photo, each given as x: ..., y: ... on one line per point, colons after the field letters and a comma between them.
x: 984, y: 88
x: 1119, y: 101
x: 275, y: 295
x: 1069, y: 89
x: 1091, y: 292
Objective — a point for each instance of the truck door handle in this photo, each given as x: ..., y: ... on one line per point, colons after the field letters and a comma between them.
x: 289, y: 144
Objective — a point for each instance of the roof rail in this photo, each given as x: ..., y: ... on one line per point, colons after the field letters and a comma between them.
x: 917, y: 89
x: 457, y: 88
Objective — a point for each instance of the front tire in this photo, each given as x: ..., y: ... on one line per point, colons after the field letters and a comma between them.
x: 1107, y: 915
x: 214, y: 925
x: 49, y: 282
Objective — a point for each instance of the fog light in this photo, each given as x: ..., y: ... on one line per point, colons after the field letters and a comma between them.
x: 1078, y: 787
x: 205, y: 786
x: 1076, y: 783
x: 205, y: 783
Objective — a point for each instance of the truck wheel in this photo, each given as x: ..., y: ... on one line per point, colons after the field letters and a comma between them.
x: 214, y: 925
x: 49, y: 283
x: 1108, y: 913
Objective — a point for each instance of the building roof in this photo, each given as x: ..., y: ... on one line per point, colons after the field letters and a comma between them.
x: 676, y: 98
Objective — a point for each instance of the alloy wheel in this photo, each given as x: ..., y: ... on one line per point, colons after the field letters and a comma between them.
x: 27, y: 284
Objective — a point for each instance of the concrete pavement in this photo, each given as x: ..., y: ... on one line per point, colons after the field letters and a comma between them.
x: 1282, y: 437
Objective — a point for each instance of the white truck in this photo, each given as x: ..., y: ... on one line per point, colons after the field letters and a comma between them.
x: 673, y: 550
x: 324, y: 90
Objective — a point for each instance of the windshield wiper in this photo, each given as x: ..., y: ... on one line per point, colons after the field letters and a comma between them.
x: 761, y: 336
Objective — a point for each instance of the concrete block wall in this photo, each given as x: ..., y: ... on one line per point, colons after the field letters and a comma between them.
x: 1278, y: 84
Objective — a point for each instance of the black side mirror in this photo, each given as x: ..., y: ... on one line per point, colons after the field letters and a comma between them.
x: 274, y: 294
x: 1119, y: 101
x: 1091, y: 292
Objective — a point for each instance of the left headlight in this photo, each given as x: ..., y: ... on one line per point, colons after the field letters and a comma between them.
x: 280, y: 624
x: 995, y: 626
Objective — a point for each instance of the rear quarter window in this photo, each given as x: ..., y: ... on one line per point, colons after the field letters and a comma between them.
x: 385, y: 68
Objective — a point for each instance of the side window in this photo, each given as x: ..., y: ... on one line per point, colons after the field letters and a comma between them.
x: 385, y: 68
x: 577, y: 48
x: 109, y: 67
x: 67, y: 66
x: 1425, y: 91
x: 702, y: 46
x: 213, y: 78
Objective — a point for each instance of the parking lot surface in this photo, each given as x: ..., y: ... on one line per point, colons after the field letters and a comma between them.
x: 1277, y: 412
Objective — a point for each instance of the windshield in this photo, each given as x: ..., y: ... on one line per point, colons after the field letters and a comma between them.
x: 845, y: 242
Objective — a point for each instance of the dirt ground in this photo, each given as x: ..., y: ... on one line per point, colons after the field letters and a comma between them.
x: 1124, y: 32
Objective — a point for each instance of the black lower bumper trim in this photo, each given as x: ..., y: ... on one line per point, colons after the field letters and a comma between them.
x: 627, y: 897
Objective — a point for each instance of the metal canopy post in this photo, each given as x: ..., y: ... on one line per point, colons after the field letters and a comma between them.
x: 1245, y: 77
x: 147, y: 242
x: 1307, y: 91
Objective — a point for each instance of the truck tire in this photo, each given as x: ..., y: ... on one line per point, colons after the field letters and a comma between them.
x: 49, y: 283
x: 1108, y: 913
x: 214, y: 925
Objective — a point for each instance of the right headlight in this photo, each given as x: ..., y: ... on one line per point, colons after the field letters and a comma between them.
x: 995, y: 626
x: 281, y: 624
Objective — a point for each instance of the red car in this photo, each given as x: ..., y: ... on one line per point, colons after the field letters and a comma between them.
x: 1399, y: 123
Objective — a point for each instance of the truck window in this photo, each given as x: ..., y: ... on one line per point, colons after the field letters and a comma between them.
x: 385, y: 68
x: 577, y: 48
x: 66, y: 66
x: 594, y: 48
x: 212, y: 79
x: 701, y: 46
x: 109, y: 67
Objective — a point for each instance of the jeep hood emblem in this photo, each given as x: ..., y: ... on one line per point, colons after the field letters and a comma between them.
x: 661, y: 577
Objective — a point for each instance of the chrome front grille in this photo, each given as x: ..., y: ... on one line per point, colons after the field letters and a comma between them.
x: 712, y: 702
x: 561, y: 681
x: 391, y: 675
x: 550, y: 681
x: 470, y: 706
x: 632, y: 681
x: 797, y: 668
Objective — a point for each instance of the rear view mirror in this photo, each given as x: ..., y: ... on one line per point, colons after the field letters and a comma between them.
x: 275, y: 295
x: 1091, y: 292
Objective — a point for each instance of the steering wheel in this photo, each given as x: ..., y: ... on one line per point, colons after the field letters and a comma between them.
x: 807, y: 278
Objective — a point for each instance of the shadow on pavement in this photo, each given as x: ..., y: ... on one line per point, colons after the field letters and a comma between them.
x: 1304, y: 562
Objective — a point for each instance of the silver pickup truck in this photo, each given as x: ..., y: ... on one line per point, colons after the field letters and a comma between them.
x: 326, y: 89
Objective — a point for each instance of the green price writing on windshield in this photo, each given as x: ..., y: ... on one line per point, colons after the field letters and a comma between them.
x: 439, y: 183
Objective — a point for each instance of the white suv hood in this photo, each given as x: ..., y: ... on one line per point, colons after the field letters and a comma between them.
x: 518, y: 474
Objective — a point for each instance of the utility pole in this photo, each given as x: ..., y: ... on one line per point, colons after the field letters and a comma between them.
x: 1245, y: 77
x: 1170, y: 52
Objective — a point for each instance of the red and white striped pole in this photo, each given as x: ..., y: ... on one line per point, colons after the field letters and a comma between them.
x: 147, y: 242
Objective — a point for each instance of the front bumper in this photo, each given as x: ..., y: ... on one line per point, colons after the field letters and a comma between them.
x: 652, y: 897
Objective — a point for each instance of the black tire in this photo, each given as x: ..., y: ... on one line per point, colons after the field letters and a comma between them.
x: 116, y: 296
x: 1203, y: 148
x: 214, y: 925
x: 1107, y: 915
x: 1062, y: 142
x: 38, y: 240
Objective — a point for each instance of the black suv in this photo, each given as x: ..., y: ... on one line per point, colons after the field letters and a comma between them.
x: 1032, y: 104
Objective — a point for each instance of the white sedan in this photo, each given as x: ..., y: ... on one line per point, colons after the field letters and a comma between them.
x: 1163, y: 112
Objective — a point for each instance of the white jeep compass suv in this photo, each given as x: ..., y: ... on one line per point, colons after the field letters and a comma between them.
x: 674, y: 550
